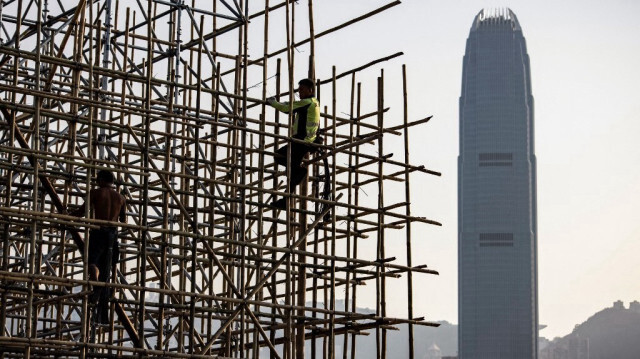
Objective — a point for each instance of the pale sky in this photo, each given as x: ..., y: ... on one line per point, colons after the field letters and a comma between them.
x: 585, y: 77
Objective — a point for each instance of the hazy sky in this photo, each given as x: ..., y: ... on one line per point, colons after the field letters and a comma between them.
x: 585, y: 78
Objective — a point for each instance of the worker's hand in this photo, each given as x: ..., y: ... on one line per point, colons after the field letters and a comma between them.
x: 271, y: 100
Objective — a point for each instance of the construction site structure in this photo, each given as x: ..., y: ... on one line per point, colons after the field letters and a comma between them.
x: 158, y: 91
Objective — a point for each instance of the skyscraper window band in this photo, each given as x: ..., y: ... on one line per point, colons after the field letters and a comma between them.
x: 496, y: 239
x: 495, y: 159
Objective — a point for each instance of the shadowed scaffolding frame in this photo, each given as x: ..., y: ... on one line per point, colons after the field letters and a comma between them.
x: 158, y: 92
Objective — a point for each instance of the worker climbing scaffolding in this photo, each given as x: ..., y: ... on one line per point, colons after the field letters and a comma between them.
x: 306, y: 120
x: 108, y: 205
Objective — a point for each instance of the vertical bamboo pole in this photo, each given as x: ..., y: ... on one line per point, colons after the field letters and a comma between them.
x: 290, y: 26
x: 347, y: 288
x: 182, y: 150
x: 120, y: 178
x: 1, y: 16
x: 261, y: 162
x: 356, y: 198
x: 302, y: 279
x: 312, y: 44
x: 326, y: 339
x: 93, y: 112
x: 43, y: 49
x: 90, y: 154
x: 166, y: 219
x: 145, y: 164
x: 10, y: 172
x: 195, y: 204
x: 105, y: 63
x: 236, y: 233
x: 316, y: 237
x: 59, y: 306
x: 167, y: 214
x: 215, y: 138
x: 95, y: 62
x: 77, y: 27
x: 176, y: 33
x: 381, y: 249
x: 274, y: 238
x: 332, y: 305
x: 128, y: 155
x: 212, y: 188
x: 407, y: 191
x: 32, y: 315
x: 123, y: 96
x: 244, y: 31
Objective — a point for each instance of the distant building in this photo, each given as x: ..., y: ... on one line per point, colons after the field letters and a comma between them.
x: 559, y: 353
x: 578, y: 347
x: 575, y: 347
x: 618, y: 304
x: 497, y: 220
x: 634, y: 306
x: 433, y: 352
x: 543, y: 343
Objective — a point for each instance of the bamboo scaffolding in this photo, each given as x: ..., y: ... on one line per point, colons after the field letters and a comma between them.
x: 159, y: 93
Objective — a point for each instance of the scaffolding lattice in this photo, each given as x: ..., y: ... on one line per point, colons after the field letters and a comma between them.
x: 158, y: 92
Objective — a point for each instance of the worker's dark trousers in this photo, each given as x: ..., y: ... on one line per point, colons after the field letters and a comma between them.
x: 298, y: 173
x: 103, y: 253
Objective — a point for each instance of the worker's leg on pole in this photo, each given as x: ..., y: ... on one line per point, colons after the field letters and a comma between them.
x: 280, y: 157
x: 103, y: 302
x: 298, y: 174
x: 298, y: 171
x: 95, y: 256
x: 110, y: 236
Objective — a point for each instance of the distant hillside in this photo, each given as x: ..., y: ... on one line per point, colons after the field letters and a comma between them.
x: 445, y: 336
x: 612, y: 333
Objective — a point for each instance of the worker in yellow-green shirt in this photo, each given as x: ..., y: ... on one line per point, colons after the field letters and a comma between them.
x: 306, y: 119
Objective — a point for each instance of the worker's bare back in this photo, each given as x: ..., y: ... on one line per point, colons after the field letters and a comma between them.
x: 107, y: 204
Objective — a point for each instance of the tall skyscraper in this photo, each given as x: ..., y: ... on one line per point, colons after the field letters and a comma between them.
x: 497, y: 224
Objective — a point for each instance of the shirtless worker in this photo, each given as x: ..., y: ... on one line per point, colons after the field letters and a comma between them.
x: 107, y: 205
x: 306, y: 120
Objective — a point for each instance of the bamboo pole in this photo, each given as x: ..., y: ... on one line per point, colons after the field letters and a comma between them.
x: 261, y: 183
x: 332, y: 294
x: 11, y: 118
x: 348, y: 243
x: 408, y: 212
x: 289, y: 349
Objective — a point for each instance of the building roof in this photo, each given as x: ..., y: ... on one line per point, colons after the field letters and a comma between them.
x: 496, y: 16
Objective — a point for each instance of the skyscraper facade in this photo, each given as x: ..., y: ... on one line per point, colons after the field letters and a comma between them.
x: 497, y: 235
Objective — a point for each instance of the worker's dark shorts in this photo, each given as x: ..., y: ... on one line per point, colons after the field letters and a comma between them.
x: 102, y: 243
x: 298, y: 151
